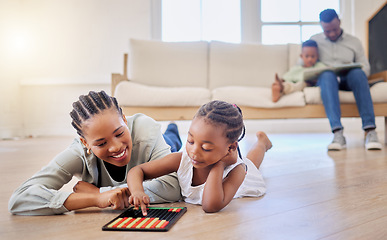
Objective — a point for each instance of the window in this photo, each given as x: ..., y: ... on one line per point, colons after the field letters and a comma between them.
x: 194, y: 20
x: 264, y: 21
x: 292, y: 21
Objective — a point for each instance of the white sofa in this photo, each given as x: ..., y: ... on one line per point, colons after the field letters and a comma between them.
x: 170, y: 80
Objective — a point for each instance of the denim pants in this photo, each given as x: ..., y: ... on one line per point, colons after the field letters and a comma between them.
x: 172, y: 138
x: 356, y: 81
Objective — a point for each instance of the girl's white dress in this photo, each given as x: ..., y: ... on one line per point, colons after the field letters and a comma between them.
x: 252, y: 186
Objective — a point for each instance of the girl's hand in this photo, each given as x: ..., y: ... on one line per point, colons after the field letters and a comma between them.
x: 116, y: 198
x: 230, y: 158
x: 85, y: 187
x: 140, y: 199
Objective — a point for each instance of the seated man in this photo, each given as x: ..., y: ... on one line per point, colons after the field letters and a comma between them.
x: 337, y: 47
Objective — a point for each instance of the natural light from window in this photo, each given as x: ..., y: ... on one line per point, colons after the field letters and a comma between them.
x: 282, y: 21
x: 195, y: 20
x: 292, y: 21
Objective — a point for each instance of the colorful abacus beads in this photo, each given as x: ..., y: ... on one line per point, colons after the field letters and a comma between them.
x: 157, y: 219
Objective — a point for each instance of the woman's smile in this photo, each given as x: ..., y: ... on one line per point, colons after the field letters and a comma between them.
x: 121, y: 156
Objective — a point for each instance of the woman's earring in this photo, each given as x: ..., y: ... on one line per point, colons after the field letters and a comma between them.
x: 88, y: 151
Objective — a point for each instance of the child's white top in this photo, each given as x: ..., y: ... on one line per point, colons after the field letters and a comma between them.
x: 252, y: 186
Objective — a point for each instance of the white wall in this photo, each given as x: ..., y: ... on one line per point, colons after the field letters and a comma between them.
x: 10, y: 118
x: 69, y: 47
x: 83, y: 41
x: 73, y: 46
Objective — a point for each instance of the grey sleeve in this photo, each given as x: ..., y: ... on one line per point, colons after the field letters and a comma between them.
x: 361, y: 58
x: 160, y: 190
x: 165, y: 188
x: 39, y: 195
x: 149, y: 145
x: 108, y: 188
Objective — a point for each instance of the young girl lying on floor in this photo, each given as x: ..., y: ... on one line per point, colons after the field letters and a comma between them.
x: 209, y: 170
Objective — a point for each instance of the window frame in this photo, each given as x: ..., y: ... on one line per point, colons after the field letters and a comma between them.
x: 251, y: 23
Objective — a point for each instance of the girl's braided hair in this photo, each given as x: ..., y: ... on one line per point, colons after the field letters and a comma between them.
x: 224, y: 113
x: 89, y: 105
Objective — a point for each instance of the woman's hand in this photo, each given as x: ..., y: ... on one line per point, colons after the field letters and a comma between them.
x: 117, y: 198
x: 87, y: 195
x: 140, y: 199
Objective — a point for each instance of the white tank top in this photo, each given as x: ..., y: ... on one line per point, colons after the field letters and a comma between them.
x: 252, y: 186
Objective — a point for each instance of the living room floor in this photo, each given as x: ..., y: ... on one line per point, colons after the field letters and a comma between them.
x: 311, y: 194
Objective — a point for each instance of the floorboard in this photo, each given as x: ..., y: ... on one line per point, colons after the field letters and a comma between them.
x: 311, y: 194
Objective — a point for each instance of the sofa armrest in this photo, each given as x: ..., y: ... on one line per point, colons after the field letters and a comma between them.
x: 378, y: 77
x: 117, y: 77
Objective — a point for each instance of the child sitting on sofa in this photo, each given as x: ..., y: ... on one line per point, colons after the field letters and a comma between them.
x: 293, y: 80
x: 209, y: 171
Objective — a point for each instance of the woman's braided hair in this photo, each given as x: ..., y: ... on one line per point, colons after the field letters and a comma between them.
x: 224, y: 113
x: 89, y: 105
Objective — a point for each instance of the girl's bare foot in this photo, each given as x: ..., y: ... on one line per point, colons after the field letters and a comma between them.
x: 276, y: 89
x: 264, y: 140
x: 258, y: 150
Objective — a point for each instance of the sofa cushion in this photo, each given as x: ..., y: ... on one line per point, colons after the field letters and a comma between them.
x: 168, y: 64
x: 133, y: 94
x: 256, y: 97
x: 378, y: 94
x: 245, y: 64
x: 294, y: 51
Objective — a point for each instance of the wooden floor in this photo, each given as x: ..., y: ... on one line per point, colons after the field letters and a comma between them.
x: 311, y: 194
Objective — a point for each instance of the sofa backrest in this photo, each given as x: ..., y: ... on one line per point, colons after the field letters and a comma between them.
x: 294, y: 51
x: 208, y: 65
x: 168, y: 64
x: 246, y: 64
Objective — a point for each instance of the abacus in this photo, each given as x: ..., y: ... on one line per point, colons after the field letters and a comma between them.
x: 157, y: 219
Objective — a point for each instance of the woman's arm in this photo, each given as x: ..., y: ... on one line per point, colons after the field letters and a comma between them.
x: 87, y: 195
x: 218, y: 192
x: 40, y: 194
x: 116, y: 198
x: 149, y: 170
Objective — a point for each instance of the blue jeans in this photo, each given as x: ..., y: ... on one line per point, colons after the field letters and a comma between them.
x: 172, y: 138
x: 356, y: 81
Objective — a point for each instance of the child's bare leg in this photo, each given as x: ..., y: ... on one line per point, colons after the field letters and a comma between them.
x: 277, y: 89
x: 258, y: 150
